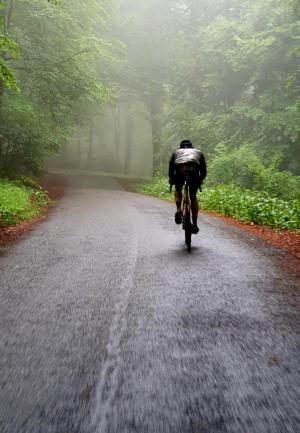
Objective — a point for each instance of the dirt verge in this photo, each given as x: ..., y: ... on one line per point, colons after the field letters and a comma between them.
x: 284, y: 239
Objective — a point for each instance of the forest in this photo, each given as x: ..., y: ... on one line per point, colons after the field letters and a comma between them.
x: 134, y: 298
x: 115, y: 85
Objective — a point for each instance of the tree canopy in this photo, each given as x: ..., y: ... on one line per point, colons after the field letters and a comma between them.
x: 225, y: 74
x: 54, y: 59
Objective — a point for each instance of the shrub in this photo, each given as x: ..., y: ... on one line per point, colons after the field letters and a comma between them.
x: 244, y: 167
x: 237, y: 202
x: 19, y: 202
x: 252, y: 206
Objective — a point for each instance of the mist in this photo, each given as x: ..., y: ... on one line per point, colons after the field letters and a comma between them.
x: 149, y: 216
x: 114, y: 86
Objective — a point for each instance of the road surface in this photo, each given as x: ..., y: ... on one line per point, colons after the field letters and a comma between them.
x: 107, y: 324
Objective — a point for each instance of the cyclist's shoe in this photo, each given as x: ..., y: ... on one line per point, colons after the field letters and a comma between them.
x: 178, y: 217
x: 194, y: 229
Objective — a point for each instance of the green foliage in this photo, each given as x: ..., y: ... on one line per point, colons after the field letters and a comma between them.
x: 28, y: 182
x: 236, y: 79
x: 28, y: 135
x: 7, y: 75
x: 243, y: 204
x: 61, y: 66
x: 19, y: 202
x: 251, y: 206
x: 11, y: 48
x: 217, y: 72
x: 158, y: 187
x: 245, y: 167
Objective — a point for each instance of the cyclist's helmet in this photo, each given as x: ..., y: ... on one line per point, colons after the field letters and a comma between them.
x: 186, y: 144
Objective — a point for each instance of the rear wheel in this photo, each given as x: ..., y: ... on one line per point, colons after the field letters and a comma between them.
x: 188, y: 238
x: 187, y: 225
x: 186, y: 220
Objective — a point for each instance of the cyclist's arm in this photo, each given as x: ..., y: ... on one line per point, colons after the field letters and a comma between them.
x: 203, y: 169
x: 171, y: 169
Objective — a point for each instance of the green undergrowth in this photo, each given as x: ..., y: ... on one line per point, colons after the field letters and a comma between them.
x: 245, y: 205
x: 20, y: 200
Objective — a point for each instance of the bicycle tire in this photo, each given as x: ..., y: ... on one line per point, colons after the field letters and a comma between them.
x: 187, y: 219
x: 188, y: 239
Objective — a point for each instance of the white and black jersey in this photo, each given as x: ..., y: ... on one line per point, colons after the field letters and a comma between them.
x: 189, y: 156
x: 184, y: 156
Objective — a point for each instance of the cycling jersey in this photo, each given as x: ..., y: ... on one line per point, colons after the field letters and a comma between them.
x: 187, y: 156
x: 183, y: 156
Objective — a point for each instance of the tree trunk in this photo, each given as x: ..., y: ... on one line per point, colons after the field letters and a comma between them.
x: 2, y: 152
x: 155, y: 111
x: 7, y: 23
x: 129, y: 136
x: 6, y: 148
x: 1, y: 95
x: 91, y: 143
x: 79, y: 147
x: 8, y: 14
x: 117, y: 129
x: 64, y: 152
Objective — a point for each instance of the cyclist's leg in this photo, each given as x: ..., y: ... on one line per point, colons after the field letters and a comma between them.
x: 179, y: 181
x: 195, y: 228
x: 178, y: 196
x: 178, y: 200
x: 195, y: 207
x: 193, y: 196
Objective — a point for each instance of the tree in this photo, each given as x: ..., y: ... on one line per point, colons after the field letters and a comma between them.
x: 144, y: 28
x: 7, y: 48
x: 238, y: 79
x: 65, y: 53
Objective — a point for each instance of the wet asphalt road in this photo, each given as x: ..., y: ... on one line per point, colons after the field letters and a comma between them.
x: 107, y: 324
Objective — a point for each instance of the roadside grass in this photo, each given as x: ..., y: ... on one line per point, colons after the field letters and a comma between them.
x: 242, y: 204
x: 20, y: 200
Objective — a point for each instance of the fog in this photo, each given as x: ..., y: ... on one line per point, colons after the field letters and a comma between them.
x: 122, y: 312
x: 119, y: 141
x: 114, y: 86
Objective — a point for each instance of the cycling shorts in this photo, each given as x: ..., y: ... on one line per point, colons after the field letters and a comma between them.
x: 192, y: 171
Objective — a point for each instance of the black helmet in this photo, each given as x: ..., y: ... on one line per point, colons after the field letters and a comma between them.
x: 185, y: 144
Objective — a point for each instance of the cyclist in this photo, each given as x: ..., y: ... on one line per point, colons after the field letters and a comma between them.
x: 190, y: 162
